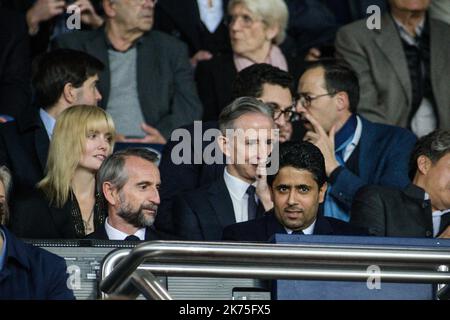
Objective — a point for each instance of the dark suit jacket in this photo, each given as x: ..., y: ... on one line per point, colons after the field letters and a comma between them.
x: 392, y: 212
x: 15, y: 64
x: 203, y: 213
x: 178, y: 178
x: 181, y: 19
x: 260, y: 230
x: 166, y: 88
x: 379, y: 59
x: 384, y: 153
x: 32, y: 273
x: 24, y: 147
x: 151, y: 234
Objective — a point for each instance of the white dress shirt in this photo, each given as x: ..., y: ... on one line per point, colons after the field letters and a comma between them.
x: 436, y: 217
x: 114, y: 234
x: 211, y: 16
x: 309, y: 230
x: 238, y: 192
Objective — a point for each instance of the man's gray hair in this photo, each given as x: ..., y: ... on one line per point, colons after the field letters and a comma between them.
x: 239, y: 107
x: 434, y: 146
x: 113, y: 168
x: 5, y: 178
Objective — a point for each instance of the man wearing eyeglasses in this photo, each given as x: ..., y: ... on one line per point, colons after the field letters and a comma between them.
x: 148, y: 85
x: 357, y: 152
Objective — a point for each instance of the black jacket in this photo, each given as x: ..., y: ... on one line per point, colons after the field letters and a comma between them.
x: 262, y: 229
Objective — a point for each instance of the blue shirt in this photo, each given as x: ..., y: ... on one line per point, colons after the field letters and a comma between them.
x: 2, y: 250
x: 49, y: 122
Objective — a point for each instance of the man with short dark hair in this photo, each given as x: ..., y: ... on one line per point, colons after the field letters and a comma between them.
x: 296, y: 190
x: 61, y: 79
x: 357, y: 152
x: 27, y: 272
x: 422, y: 209
x: 129, y: 181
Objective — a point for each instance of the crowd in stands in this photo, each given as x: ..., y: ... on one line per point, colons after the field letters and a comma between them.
x: 273, y: 116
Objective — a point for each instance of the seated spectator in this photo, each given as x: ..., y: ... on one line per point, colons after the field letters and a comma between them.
x: 256, y: 29
x: 240, y: 194
x: 66, y: 204
x: 421, y: 209
x: 440, y: 9
x: 47, y: 19
x: 61, y: 79
x: 403, y: 68
x: 27, y: 272
x: 199, y: 23
x: 263, y: 81
x: 15, y: 65
x: 129, y: 181
x: 313, y: 24
x: 296, y: 190
x: 357, y: 152
x: 148, y: 87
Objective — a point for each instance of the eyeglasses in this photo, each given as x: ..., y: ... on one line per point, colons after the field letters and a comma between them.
x: 246, y: 20
x: 306, y: 99
x: 288, y: 113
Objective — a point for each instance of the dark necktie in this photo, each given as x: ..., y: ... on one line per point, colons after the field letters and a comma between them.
x: 132, y: 238
x: 297, y: 232
x: 251, y: 202
x: 445, y: 222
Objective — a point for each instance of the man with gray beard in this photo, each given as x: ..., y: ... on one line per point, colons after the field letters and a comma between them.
x: 129, y: 181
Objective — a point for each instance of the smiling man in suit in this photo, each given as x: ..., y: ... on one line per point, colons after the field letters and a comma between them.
x: 403, y: 67
x: 247, y: 137
x: 297, y: 190
x: 148, y: 85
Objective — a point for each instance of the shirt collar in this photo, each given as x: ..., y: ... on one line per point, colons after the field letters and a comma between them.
x: 49, y: 122
x: 346, y: 131
x: 404, y: 34
x: 308, y: 231
x: 237, y: 187
x: 114, y: 234
x: 109, y: 45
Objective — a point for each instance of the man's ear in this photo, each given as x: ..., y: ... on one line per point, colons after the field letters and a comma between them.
x: 343, y: 102
x: 271, y: 32
x: 69, y: 93
x: 322, y: 192
x: 224, y: 145
x: 423, y: 164
x: 109, y: 8
x: 110, y: 193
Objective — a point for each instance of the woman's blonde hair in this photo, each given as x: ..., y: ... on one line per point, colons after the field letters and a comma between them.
x: 272, y: 12
x: 67, y: 146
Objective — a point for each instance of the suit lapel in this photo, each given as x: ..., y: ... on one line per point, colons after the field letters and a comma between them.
x: 41, y: 143
x: 148, y: 82
x: 221, y: 202
x: 322, y: 226
x: 389, y: 43
x: 272, y: 225
x: 439, y: 50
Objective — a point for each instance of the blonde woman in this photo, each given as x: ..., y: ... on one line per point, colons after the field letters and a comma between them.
x: 67, y: 204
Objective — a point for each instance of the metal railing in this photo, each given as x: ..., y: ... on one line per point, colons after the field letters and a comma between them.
x: 127, y: 271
